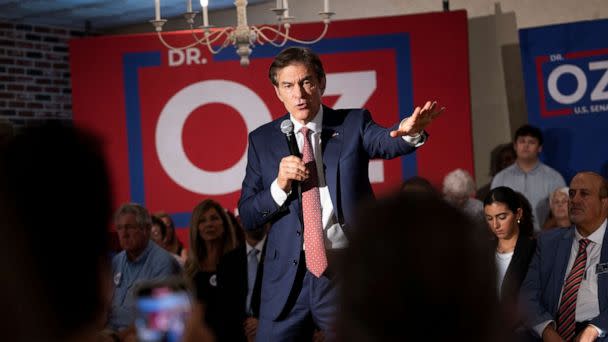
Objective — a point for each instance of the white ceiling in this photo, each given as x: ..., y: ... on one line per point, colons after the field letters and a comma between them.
x: 101, y: 14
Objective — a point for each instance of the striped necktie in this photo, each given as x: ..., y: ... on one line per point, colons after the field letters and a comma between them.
x: 567, y: 305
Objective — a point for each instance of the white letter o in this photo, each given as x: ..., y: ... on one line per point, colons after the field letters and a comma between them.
x: 171, y: 123
x: 581, y: 84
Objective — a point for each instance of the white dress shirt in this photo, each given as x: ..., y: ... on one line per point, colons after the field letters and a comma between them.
x: 587, y: 303
x: 334, y: 236
x: 502, y: 264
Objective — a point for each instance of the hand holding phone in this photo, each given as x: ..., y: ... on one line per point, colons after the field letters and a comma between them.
x: 163, y: 309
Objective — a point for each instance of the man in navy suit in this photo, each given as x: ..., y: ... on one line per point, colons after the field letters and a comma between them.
x: 239, y: 275
x: 565, y: 293
x: 298, y: 287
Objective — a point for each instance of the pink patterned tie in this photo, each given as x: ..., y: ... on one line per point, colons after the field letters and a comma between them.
x: 316, y: 260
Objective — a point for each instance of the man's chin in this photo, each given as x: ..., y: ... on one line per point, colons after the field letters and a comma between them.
x: 575, y: 220
x: 303, y: 115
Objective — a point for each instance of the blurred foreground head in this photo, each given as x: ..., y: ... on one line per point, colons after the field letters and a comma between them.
x: 55, y: 205
x: 414, y: 267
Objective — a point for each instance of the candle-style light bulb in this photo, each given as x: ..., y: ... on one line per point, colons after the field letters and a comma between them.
x: 157, y: 9
x: 286, y: 7
x: 205, y: 4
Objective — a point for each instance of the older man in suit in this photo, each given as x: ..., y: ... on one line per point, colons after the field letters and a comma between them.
x: 332, y: 176
x: 565, y: 293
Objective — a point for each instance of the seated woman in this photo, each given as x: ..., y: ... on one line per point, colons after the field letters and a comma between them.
x: 171, y: 242
x: 158, y: 232
x: 211, y: 236
x: 558, y: 201
x: 509, y: 217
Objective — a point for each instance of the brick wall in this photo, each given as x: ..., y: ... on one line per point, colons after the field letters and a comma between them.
x: 34, y: 74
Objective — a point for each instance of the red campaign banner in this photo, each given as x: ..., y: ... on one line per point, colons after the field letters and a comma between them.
x: 175, y: 124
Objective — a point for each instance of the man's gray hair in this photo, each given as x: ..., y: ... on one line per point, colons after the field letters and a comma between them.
x: 458, y: 182
x: 142, y: 216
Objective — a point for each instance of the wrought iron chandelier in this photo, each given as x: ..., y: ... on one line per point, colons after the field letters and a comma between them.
x: 242, y: 36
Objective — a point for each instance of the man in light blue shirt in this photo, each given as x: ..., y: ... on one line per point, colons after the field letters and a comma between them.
x: 140, y: 260
x: 529, y: 175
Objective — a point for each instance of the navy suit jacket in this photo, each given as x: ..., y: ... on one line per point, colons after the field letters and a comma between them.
x: 232, y: 291
x: 542, y: 287
x: 350, y: 138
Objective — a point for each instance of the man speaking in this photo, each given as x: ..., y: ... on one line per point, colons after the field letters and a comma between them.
x: 309, y: 198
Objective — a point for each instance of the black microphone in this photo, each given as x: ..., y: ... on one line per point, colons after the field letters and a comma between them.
x: 287, y: 129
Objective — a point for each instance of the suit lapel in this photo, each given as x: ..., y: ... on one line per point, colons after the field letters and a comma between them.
x: 602, y: 281
x: 331, y: 146
x: 280, y: 147
x: 564, y: 246
x: 278, y: 140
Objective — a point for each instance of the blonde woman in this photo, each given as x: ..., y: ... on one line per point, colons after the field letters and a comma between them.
x: 211, y: 236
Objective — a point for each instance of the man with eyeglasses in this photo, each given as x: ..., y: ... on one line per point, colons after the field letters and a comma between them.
x: 141, y: 259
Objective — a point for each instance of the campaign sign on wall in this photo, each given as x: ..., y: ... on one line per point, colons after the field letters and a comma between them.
x: 175, y: 124
x: 566, y: 76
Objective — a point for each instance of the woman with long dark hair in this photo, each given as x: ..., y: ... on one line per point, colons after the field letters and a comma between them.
x: 510, y: 219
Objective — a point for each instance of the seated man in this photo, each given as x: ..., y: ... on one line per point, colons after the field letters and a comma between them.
x: 459, y: 191
x: 141, y: 259
x: 565, y: 292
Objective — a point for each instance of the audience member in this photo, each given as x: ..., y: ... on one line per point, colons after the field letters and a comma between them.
x: 172, y: 243
x: 239, y: 281
x: 509, y: 217
x: 565, y: 293
x: 55, y: 271
x: 418, y: 184
x: 558, y: 218
x: 396, y: 281
x: 43, y: 298
x: 140, y: 260
x: 458, y: 190
x: 501, y: 157
x: 239, y: 231
x: 211, y: 236
x: 529, y: 175
x: 159, y: 235
x: 158, y: 232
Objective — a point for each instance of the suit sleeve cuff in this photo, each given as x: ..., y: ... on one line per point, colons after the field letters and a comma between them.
x: 600, y: 332
x: 415, y: 140
x: 539, y: 328
x: 278, y: 195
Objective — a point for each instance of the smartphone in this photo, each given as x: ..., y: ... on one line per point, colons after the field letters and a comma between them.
x: 162, y: 310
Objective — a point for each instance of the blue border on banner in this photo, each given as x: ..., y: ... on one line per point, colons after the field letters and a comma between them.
x: 132, y: 62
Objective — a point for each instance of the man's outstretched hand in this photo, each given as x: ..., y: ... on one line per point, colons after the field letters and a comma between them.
x: 417, y: 122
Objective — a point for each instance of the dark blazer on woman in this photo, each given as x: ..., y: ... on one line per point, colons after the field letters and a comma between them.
x: 516, y: 273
